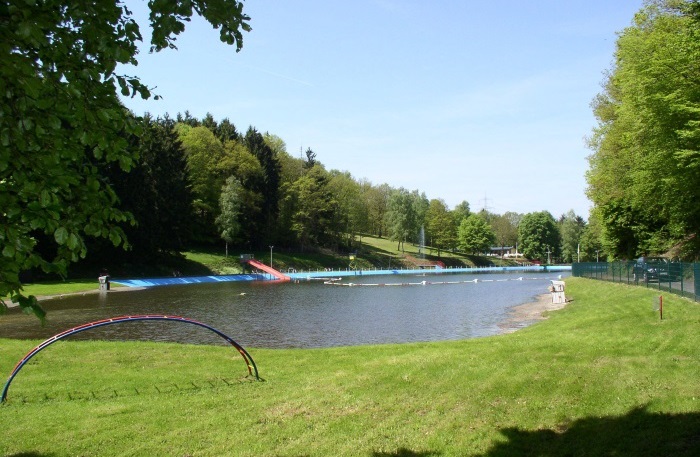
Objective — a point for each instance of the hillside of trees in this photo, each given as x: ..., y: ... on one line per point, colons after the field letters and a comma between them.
x: 205, y: 183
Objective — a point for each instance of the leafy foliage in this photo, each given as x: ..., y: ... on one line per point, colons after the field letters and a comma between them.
x: 155, y: 191
x: 401, y: 216
x: 571, y: 228
x: 645, y: 170
x: 505, y: 228
x: 230, y: 203
x: 475, y: 234
x: 60, y: 119
x: 441, y: 225
x: 539, y: 236
x: 255, y: 142
x: 314, y: 220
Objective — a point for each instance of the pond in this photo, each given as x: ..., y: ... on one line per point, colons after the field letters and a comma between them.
x: 303, y: 314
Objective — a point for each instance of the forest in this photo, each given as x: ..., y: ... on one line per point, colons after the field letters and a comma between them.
x: 248, y: 191
x: 204, y: 183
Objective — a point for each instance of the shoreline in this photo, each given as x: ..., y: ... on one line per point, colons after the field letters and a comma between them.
x: 41, y: 298
x: 524, y: 315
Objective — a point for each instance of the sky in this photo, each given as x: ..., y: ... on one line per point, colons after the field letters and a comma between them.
x: 483, y: 101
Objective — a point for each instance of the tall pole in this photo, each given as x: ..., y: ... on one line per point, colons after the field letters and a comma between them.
x: 271, y: 255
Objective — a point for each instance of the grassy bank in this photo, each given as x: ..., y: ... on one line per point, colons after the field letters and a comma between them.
x: 603, y: 376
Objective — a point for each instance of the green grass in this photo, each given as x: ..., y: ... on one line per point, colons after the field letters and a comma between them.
x: 603, y: 376
x: 61, y: 287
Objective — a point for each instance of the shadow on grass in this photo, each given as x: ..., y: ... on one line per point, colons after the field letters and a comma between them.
x: 30, y: 454
x: 637, y: 433
x: 403, y: 452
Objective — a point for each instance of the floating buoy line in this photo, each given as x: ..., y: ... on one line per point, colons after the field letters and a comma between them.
x: 336, y: 282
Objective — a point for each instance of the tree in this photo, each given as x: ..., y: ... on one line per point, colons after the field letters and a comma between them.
x: 352, y: 210
x: 592, y: 240
x: 310, y: 159
x: 240, y: 164
x: 228, y: 220
x: 256, y: 144
x: 291, y: 169
x: 226, y: 131
x: 461, y: 212
x: 60, y: 117
x: 377, y: 198
x: 571, y: 228
x: 645, y: 168
x: 401, y: 217
x: 475, y: 234
x: 440, y: 224
x: 156, y: 191
x: 315, y: 206
x: 207, y: 171
x: 505, y: 228
x: 539, y: 236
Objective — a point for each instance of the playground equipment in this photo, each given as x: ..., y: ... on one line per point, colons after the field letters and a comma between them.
x: 261, y: 266
x: 252, y: 368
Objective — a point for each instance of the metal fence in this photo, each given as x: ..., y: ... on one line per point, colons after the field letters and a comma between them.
x: 674, y: 277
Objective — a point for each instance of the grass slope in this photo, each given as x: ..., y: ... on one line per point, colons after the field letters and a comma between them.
x: 603, y: 376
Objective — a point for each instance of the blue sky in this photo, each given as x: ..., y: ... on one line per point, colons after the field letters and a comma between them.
x: 483, y: 101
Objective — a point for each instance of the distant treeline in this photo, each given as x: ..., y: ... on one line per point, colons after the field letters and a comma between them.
x: 202, y: 182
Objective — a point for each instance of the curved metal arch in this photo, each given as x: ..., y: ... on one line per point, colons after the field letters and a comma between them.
x: 252, y: 368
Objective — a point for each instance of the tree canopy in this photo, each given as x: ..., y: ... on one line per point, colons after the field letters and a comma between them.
x: 644, y: 176
x: 475, y: 234
x: 539, y: 236
x: 61, y: 117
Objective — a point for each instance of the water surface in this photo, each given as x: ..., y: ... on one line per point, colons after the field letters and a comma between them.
x: 305, y: 314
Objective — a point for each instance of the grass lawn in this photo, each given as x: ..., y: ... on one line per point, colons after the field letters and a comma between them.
x: 61, y: 287
x: 604, y: 376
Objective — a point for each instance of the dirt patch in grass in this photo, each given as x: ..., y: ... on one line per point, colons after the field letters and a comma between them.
x: 528, y: 313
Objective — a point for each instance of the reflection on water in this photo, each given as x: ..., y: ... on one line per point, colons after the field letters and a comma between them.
x: 305, y: 314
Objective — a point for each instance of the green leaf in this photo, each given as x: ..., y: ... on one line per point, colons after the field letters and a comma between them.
x: 45, y: 198
x: 73, y: 242
x: 9, y: 251
x: 30, y: 305
x: 61, y: 235
x: 114, y: 237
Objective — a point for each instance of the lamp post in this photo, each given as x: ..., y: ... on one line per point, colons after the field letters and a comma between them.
x: 271, y: 255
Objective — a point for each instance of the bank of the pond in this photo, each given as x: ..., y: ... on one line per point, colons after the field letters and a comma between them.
x: 330, y: 273
x: 604, y: 376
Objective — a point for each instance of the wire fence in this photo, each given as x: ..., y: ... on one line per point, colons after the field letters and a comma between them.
x: 674, y: 277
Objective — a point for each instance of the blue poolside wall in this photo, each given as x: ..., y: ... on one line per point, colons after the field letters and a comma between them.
x: 150, y: 282
x: 308, y: 275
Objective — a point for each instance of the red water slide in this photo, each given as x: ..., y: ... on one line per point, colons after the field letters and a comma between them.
x: 261, y: 266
